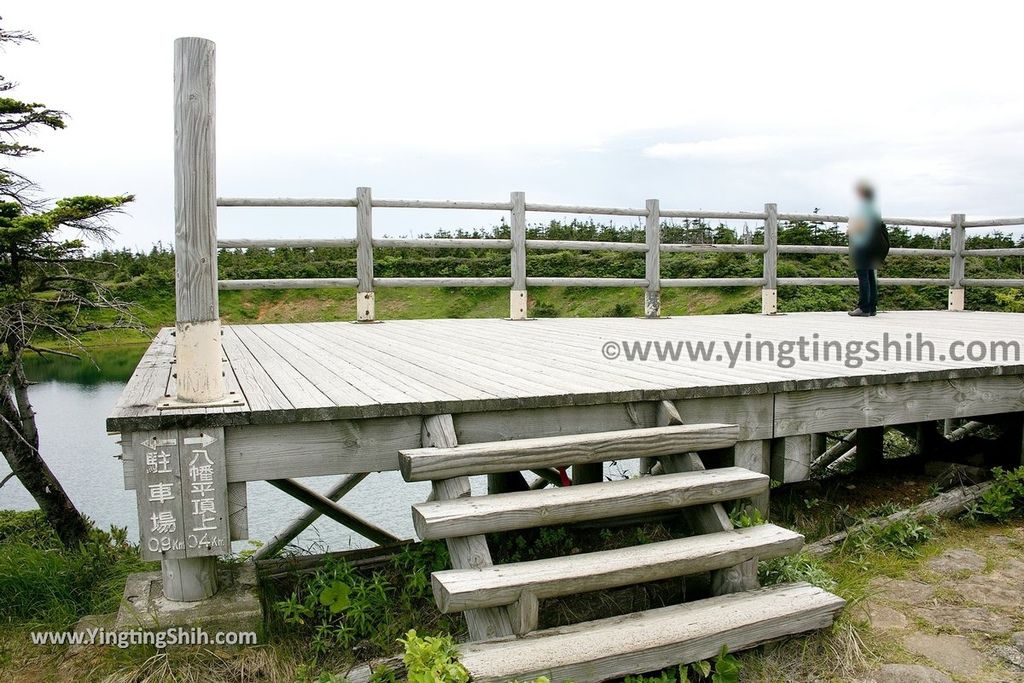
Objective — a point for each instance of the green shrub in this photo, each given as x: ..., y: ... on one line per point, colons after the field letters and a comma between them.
x: 42, y: 583
x: 339, y: 607
x: 432, y: 659
x: 1004, y: 499
x: 902, y: 537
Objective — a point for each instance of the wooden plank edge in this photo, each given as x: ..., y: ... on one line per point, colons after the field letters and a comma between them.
x: 424, y: 464
x: 776, y: 542
x: 557, y: 512
x: 493, y: 661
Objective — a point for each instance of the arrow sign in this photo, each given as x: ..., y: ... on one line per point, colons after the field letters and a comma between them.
x: 203, y: 439
x: 153, y: 443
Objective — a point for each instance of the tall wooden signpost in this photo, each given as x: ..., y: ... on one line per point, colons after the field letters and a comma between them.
x: 180, y: 474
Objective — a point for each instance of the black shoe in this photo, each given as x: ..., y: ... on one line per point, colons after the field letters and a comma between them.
x: 858, y: 313
x: 873, y: 313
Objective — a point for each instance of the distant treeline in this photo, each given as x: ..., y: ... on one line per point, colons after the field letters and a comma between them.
x: 155, y: 269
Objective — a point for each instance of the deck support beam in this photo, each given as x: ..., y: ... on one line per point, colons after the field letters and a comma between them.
x: 791, y: 458
x: 303, y: 520
x: 328, y: 507
x: 466, y: 552
x: 755, y: 456
x: 588, y: 473
x: 1019, y: 432
x: 869, y: 447
x: 929, y: 444
x: 706, y: 519
x: 506, y: 482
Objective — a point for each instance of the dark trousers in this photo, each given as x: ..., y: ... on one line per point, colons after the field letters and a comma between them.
x: 867, y: 287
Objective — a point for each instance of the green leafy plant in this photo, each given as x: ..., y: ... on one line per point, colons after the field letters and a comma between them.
x: 339, y: 607
x: 335, y: 596
x: 432, y: 659
x: 746, y: 516
x: 1004, y: 498
x: 727, y: 668
x: 902, y: 537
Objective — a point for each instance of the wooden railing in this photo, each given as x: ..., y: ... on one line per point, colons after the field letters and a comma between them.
x: 519, y: 281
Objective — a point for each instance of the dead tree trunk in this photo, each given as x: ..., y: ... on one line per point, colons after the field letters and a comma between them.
x: 19, y: 441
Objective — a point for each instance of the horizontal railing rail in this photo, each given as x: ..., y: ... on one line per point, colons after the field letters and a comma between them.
x: 652, y: 247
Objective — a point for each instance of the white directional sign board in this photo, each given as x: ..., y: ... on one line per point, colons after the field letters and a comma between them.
x: 181, y: 488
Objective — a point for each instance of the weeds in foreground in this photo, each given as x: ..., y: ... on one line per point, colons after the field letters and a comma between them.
x: 340, y: 608
x: 1004, y: 499
x: 793, y: 569
x: 725, y: 668
x: 904, y: 537
x: 44, y: 584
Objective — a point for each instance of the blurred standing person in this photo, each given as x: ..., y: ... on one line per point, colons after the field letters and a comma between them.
x: 865, y: 222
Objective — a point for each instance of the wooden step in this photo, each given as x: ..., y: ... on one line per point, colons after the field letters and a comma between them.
x: 524, y: 509
x: 461, y: 589
x: 648, y: 641
x: 423, y: 464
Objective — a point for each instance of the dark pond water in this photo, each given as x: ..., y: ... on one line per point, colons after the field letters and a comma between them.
x: 72, y: 399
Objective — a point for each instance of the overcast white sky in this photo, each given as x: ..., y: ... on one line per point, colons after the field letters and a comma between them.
x: 721, y: 106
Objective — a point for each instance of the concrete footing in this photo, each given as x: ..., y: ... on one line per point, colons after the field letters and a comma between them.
x: 235, y: 607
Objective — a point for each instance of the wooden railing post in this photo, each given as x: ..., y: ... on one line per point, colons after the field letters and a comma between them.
x: 769, y: 291
x: 652, y: 270
x: 200, y: 377
x: 517, y: 298
x: 198, y: 372
x: 365, y: 304
x: 957, y: 243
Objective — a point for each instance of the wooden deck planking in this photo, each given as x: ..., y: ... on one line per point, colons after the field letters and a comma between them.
x: 343, y: 381
x: 259, y: 390
x: 547, y: 353
x: 477, y: 364
x: 441, y: 370
x: 323, y: 371
x: 520, y: 352
x: 299, y: 389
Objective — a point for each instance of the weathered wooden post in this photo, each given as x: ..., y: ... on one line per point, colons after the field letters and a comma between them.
x: 190, y: 575
x: 769, y: 291
x: 870, y: 447
x: 652, y: 295
x: 200, y: 378
x: 518, y: 299
x: 791, y: 458
x: 957, y: 243
x: 365, y: 304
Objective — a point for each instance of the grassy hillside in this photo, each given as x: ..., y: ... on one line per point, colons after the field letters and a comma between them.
x: 146, y: 279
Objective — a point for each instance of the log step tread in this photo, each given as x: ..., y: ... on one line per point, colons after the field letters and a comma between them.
x: 648, y: 641
x: 604, y: 500
x: 460, y: 589
x: 423, y: 464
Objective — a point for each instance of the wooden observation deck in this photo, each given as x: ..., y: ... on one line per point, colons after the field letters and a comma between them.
x: 210, y: 408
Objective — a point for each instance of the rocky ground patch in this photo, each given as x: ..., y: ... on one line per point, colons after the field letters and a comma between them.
x: 959, y: 616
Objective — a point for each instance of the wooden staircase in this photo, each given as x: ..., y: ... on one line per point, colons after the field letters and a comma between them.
x: 501, y: 602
